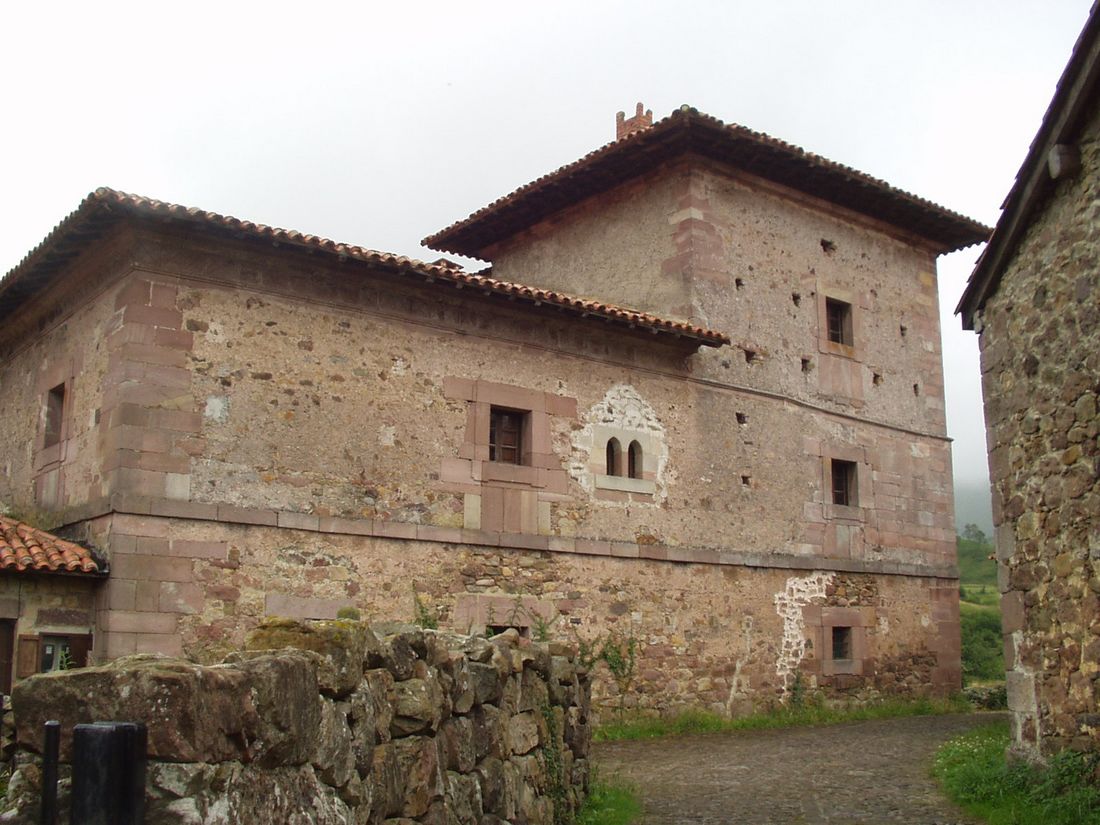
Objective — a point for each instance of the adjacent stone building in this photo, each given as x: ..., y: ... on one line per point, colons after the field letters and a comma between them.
x: 697, y: 401
x: 1034, y: 300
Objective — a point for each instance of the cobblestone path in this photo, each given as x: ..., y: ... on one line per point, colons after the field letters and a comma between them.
x: 862, y: 773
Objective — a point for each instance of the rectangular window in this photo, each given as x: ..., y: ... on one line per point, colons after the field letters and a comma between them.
x: 55, y: 410
x: 844, y: 482
x: 838, y: 316
x: 842, y: 643
x: 506, y: 435
x: 43, y: 654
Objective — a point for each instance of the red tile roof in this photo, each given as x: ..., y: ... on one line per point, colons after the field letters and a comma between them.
x: 26, y: 549
x: 104, y: 207
x: 688, y: 131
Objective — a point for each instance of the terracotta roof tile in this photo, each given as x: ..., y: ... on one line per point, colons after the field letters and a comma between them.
x: 688, y: 131
x: 104, y: 205
x: 26, y: 549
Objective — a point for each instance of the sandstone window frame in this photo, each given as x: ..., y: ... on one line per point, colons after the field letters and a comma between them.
x: 54, y: 429
x: 844, y: 482
x: 54, y: 415
x: 643, y: 481
x: 31, y: 650
x: 830, y: 300
x: 822, y: 622
x: 861, y: 491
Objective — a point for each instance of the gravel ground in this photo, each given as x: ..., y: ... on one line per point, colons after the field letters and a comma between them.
x: 861, y: 773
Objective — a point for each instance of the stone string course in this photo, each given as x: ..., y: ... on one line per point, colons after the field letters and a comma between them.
x: 334, y: 722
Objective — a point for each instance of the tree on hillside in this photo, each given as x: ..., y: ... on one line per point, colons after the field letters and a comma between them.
x: 973, y: 532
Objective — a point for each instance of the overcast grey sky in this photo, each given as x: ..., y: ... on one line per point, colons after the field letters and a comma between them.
x: 378, y: 124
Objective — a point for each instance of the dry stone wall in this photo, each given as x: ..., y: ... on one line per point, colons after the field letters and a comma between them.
x: 1040, y: 341
x: 334, y: 722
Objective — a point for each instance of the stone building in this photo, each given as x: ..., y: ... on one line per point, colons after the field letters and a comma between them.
x: 1034, y: 300
x: 696, y: 401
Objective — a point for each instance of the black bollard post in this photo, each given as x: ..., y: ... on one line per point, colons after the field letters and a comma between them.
x: 51, y: 753
x: 131, y: 741
x: 108, y: 774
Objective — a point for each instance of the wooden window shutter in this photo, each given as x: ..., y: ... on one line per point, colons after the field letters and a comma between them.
x: 27, y: 657
x: 80, y: 647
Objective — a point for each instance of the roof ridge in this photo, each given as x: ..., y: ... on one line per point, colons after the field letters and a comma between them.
x: 113, y: 200
x: 685, y: 117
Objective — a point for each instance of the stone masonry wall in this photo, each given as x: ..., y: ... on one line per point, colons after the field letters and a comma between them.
x: 1040, y: 341
x: 722, y: 636
x: 354, y: 724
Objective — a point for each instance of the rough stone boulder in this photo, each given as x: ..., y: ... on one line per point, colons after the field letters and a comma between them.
x: 345, y: 645
x: 265, y: 710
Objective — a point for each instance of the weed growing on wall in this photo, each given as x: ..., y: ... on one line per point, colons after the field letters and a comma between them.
x: 424, y: 615
x: 619, y: 653
x: 556, y: 781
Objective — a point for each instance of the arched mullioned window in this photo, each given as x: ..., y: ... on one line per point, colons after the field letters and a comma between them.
x: 614, y: 457
x: 634, y: 460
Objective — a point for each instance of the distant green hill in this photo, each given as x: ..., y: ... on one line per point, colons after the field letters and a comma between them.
x: 975, y: 566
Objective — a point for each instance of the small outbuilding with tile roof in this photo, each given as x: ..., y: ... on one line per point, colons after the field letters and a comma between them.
x: 48, y: 587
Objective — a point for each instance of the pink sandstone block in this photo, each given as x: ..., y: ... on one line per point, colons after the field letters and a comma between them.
x: 524, y: 541
x: 247, y: 515
x: 157, y: 316
x: 140, y: 526
x: 395, y: 529
x: 180, y: 597
x: 169, y: 644
x: 135, y: 293
x: 624, y: 549
x: 347, y: 526
x: 191, y: 549
x: 298, y: 521
x: 125, y: 621
x: 592, y: 547
x: 485, y: 538
x: 121, y: 593
x: 184, y: 509
x: 160, y: 568
x: 147, y: 596
x: 174, y: 340
x: 163, y: 295
x: 428, y: 532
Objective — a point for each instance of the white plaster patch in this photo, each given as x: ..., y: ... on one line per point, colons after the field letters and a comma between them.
x: 400, y: 366
x: 799, y: 592
x: 387, y: 435
x: 217, y: 409
x: 624, y: 408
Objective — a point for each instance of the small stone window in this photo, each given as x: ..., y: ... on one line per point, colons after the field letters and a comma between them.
x: 506, y: 435
x: 844, y: 484
x: 634, y: 460
x: 838, y: 317
x: 614, y: 457
x: 55, y: 413
x: 842, y: 643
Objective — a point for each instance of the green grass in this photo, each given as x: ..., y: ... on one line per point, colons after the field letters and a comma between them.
x: 982, y: 644
x: 982, y: 594
x: 610, y: 802
x: 810, y: 713
x: 974, y: 773
x: 975, y: 566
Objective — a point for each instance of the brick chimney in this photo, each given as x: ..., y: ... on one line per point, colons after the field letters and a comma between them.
x: 641, y: 120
